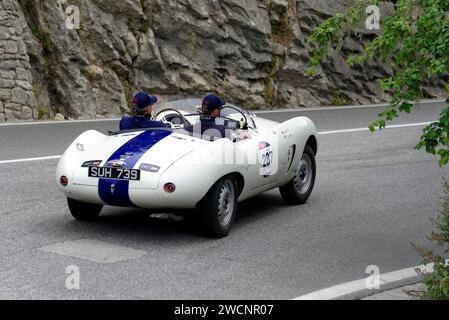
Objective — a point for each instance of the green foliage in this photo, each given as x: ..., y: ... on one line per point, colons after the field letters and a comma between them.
x: 435, y: 139
x: 37, y: 89
x: 338, y: 99
x: 437, y: 283
x: 415, y: 41
x: 331, y: 32
x: 279, y: 27
x: 43, y: 112
x: 281, y: 31
x: 270, y: 90
x: 32, y: 17
x: 42, y: 38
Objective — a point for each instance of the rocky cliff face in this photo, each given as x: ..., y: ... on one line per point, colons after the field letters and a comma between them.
x: 252, y: 52
x: 17, y: 99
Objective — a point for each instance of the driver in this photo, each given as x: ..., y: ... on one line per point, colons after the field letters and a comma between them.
x: 211, y: 110
x: 143, y: 107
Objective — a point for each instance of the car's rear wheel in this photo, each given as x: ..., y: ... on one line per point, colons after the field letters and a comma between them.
x: 219, y: 208
x: 84, y: 211
x: 298, y: 190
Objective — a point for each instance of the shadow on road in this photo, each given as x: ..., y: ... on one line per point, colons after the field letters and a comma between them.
x: 126, y: 222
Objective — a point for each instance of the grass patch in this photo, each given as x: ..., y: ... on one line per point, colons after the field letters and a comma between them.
x: 338, y: 99
x: 43, y: 113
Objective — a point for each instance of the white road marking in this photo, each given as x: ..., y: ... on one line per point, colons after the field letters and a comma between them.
x: 35, y: 123
x: 29, y: 159
x: 306, y: 109
x: 420, y: 124
x: 387, y: 281
x: 94, y: 250
x: 320, y: 133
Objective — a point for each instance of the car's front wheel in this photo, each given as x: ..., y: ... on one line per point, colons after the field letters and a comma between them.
x: 84, y: 211
x: 219, y: 208
x: 298, y: 190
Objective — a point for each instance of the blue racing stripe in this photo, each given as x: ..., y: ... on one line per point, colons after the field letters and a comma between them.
x: 132, y: 151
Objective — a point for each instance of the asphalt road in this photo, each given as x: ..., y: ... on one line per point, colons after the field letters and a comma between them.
x: 374, y: 196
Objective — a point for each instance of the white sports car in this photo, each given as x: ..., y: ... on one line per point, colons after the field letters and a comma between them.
x: 170, y: 168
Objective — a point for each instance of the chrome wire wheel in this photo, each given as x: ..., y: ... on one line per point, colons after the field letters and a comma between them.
x: 303, y: 176
x: 226, y: 202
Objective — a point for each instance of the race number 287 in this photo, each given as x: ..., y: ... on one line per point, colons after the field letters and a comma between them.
x: 267, y: 159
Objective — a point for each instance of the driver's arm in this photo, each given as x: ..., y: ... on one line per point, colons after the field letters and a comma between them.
x: 166, y: 125
x: 239, y: 134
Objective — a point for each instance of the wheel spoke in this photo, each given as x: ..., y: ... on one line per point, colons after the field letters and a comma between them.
x: 226, y: 202
x: 303, y: 176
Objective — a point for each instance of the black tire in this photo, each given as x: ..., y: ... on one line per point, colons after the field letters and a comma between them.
x: 298, y: 190
x: 84, y: 211
x: 218, y: 208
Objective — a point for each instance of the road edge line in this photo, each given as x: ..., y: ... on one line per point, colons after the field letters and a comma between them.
x: 356, y: 290
x: 396, y: 126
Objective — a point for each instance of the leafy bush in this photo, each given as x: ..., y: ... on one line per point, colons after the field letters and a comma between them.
x: 415, y: 41
x: 437, y: 283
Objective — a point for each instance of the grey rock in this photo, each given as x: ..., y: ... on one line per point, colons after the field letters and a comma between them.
x: 126, y: 8
x: 5, y: 94
x: 24, y: 85
x: 22, y: 50
x: 20, y: 95
x: 8, y: 65
x: 13, y: 107
x: 26, y: 113
x: 11, y: 47
x: 10, y: 115
x: 8, y: 75
x: 252, y: 52
x: 8, y: 84
x: 24, y: 74
x: 110, y: 96
x: 93, y: 72
x: 4, y: 33
x: 17, y: 96
x: 59, y: 117
x: 132, y: 47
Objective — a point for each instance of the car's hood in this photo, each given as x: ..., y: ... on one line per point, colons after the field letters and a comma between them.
x: 151, y: 151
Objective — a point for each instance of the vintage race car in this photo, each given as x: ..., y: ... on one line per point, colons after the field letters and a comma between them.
x: 169, y: 168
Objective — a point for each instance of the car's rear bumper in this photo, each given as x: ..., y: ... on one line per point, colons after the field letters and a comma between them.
x: 142, y: 198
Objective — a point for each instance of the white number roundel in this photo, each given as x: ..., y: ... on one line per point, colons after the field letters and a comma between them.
x: 265, y: 158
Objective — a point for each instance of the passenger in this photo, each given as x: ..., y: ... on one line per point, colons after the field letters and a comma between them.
x: 141, y: 119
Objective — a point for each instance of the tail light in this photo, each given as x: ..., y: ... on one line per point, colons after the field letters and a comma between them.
x: 169, y: 187
x: 64, y: 181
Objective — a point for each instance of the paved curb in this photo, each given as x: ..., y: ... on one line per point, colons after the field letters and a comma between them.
x: 356, y: 290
